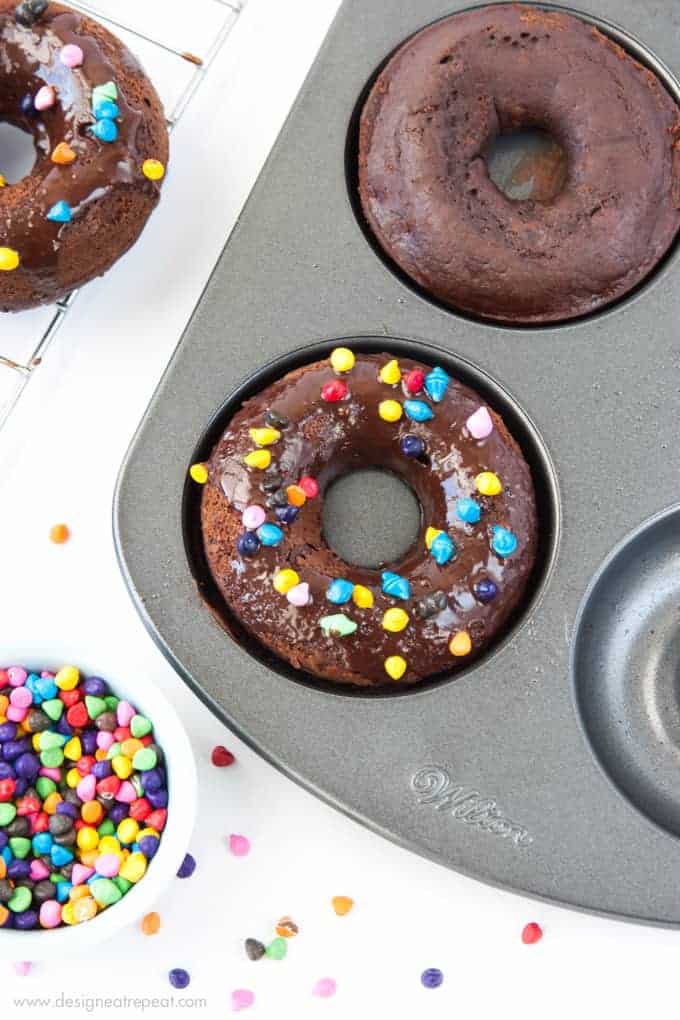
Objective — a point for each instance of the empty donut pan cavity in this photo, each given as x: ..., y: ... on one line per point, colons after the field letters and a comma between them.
x: 552, y: 765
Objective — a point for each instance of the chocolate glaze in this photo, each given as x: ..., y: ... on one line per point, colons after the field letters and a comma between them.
x: 101, y: 173
x: 327, y: 440
x: 424, y: 183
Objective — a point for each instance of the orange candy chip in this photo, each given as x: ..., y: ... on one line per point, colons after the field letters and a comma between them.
x: 63, y: 154
x: 286, y: 928
x: 296, y: 495
x: 59, y: 534
x: 342, y: 905
x: 151, y: 923
x: 4, y: 914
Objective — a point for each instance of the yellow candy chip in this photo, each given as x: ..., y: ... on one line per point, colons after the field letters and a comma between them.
x: 35, y: 740
x: 460, y: 644
x: 342, y: 359
x: 488, y: 484
x: 395, y: 666
x: 73, y: 749
x: 128, y: 830
x: 153, y: 169
x: 87, y: 838
x: 260, y: 459
x: 9, y: 259
x: 395, y: 620
x: 67, y: 678
x: 199, y: 473
x: 88, y: 857
x: 73, y: 777
x: 122, y: 766
x: 362, y: 597
x: 3, y: 182
x: 390, y: 410
x: 284, y: 580
x: 390, y: 373
x: 109, y: 845
x: 67, y: 914
x: 264, y: 437
x: 430, y: 536
x: 134, y: 867
x: 77, y: 892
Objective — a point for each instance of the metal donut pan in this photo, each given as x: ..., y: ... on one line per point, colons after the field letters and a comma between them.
x: 552, y: 766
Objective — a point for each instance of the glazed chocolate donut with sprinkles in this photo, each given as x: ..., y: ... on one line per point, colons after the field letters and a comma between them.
x: 445, y: 601
x: 102, y: 148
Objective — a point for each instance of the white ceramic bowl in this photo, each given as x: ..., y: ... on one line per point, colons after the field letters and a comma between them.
x: 182, y: 786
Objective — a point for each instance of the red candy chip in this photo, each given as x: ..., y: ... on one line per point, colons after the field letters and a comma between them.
x: 70, y: 697
x: 414, y: 381
x: 156, y: 820
x: 333, y: 391
x: 7, y: 788
x: 79, y: 824
x: 148, y: 739
x: 108, y: 787
x: 221, y: 757
x: 309, y: 486
x: 531, y: 933
x: 77, y: 715
x: 121, y: 734
x: 140, y: 809
x: 84, y: 764
x: 41, y: 822
x: 4, y: 678
x: 28, y: 806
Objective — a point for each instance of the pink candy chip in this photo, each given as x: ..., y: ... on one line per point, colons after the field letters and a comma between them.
x: 71, y: 55
x: 299, y: 595
x: 17, y: 676
x: 45, y: 98
x: 239, y: 845
x: 253, y: 517
x: 108, y: 865
x: 54, y: 774
x: 87, y: 788
x: 23, y: 967
x: 480, y: 424
x: 105, y: 740
x: 21, y: 697
x: 50, y: 914
x: 325, y: 988
x: 15, y: 714
x: 39, y: 870
x: 126, y: 793
x: 80, y: 874
x: 242, y: 998
x: 124, y: 713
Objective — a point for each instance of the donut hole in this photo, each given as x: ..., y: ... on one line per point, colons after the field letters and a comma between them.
x: 18, y: 153
x: 370, y: 518
x: 527, y: 164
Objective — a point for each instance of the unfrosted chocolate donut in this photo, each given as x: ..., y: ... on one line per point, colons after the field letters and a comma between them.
x: 448, y: 597
x: 424, y: 182
x: 97, y: 178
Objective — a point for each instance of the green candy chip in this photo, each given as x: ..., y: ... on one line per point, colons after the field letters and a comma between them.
x: 140, y: 726
x: 53, y: 709
x: 20, y: 846
x: 7, y: 814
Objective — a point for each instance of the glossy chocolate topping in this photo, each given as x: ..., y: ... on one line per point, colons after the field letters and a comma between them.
x: 424, y: 182
x: 326, y: 440
x: 103, y: 174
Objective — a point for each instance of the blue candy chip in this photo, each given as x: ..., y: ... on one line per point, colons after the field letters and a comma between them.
x: 418, y: 410
x: 269, y: 534
x: 504, y: 543
x: 339, y: 591
x: 42, y: 843
x: 442, y: 549
x: 468, y: 510
x: 105, y: 109
x: 396, y: 586
x: 436, y: 382
x: 105, y: 130
x: 60, y: 213
x: 46, y: 688
x: 60, y: 855
x: 63, y: 890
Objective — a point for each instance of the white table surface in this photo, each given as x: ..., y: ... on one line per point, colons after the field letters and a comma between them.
x: 59, y: 456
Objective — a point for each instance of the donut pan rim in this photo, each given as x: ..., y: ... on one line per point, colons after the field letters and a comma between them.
x: 493, y: 774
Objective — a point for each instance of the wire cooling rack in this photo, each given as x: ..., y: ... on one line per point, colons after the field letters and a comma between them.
x: 177, y: 54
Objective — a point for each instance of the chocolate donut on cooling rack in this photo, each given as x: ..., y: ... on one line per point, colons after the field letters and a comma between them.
x: 102, y: 147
